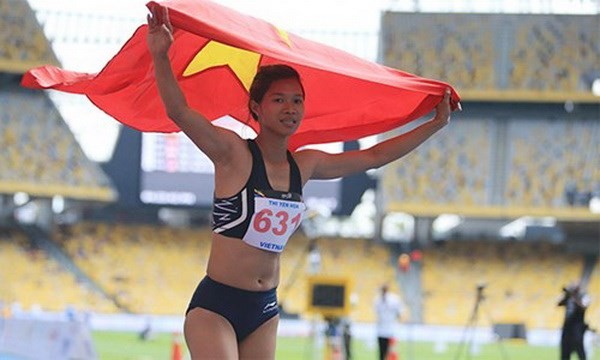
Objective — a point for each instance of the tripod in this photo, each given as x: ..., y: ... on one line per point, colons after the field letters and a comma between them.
x: 469, y: 330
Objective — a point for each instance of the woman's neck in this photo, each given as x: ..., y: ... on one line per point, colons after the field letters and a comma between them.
x: 273, y: 150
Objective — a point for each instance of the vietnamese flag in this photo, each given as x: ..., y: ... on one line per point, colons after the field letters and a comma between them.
x: 216, y: 53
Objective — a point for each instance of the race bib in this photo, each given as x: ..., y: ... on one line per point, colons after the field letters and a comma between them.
x: 273, y: 222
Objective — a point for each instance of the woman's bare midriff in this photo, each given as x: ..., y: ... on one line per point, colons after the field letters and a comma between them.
x: 235, y: 263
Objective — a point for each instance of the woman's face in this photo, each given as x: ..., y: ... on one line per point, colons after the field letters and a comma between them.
x: 282, y: 107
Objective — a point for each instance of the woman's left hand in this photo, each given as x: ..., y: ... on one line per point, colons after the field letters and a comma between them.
x: 442, y: 110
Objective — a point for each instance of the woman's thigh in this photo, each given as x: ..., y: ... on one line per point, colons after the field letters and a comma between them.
x: 208, y: 335
x: 260, y: 344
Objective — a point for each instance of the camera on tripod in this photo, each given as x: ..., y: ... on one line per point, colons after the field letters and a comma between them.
x: 480, y: 287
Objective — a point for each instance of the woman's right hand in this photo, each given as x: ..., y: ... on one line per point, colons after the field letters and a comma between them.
x: 160, y: 30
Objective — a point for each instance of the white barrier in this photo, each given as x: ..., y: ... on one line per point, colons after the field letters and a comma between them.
x: 40, y: 339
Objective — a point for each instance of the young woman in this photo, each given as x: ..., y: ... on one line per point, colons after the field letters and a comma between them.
x: 258, y: 200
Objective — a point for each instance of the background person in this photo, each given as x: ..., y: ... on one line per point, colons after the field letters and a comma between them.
x: 388, y: 310
x: 574, y: 326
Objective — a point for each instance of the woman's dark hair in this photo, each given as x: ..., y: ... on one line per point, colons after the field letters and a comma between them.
x: 263, y: 79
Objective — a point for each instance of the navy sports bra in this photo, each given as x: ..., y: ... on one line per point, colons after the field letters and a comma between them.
x: 259, y: 215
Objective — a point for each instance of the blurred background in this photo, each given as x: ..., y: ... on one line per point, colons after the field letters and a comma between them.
x: 105, y: 232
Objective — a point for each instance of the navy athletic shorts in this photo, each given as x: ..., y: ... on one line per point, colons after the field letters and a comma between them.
x: 245, y: 310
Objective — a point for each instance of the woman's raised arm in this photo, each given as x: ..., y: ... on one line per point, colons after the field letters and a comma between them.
x: 321, y: 165
x: 215, y: 142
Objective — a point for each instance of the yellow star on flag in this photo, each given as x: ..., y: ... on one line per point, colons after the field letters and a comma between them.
x: 284, y: 36
x: 243, y: 63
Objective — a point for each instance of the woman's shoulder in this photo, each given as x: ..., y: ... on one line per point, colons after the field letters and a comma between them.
x: 233, y: 145
x: 307, y: 159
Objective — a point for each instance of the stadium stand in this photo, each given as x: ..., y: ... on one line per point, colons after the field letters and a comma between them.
x: 519, y: 277
x: 451, y: 168
x: 499, y: 167
x: 131, y: 261
x: 42, y: 157
x: 500, y: 161
x: 546, y: 57
x: 498, y: 57
x: 23, y: 43
x: 441, y: 46
x: 563, y: 154
x: 30, y: 279
x: 39, y: 157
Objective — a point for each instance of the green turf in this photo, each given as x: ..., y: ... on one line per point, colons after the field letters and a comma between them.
x: 127, y: 346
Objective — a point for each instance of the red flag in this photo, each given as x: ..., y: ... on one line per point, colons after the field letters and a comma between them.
x: 216, y: 53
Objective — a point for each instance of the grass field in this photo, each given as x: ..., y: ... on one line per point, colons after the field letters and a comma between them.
x: 127, y: 346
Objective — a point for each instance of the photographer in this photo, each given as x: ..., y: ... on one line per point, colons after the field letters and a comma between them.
x: 575, y: 302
